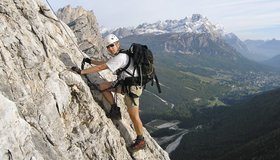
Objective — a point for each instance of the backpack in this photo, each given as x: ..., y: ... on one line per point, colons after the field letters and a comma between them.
x: 143, y: 65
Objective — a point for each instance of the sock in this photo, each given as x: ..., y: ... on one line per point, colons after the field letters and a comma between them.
x: 140, y: 137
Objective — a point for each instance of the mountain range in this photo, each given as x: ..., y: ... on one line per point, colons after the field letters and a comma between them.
x: 266, y: 48
x: 256, y: 50
x: 195, y: 24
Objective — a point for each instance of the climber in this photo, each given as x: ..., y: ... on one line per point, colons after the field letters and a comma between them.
x: 131, y: 92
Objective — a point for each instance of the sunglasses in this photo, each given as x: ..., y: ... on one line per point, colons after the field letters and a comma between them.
x: 109, y: 46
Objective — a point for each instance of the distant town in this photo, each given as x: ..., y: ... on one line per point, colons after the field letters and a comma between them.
x: 253, y: 82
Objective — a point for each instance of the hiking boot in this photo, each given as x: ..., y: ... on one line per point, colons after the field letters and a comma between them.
x: 137, y: 145
x: 115, y: 113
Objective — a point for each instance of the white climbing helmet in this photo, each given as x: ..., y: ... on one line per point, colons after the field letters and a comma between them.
x: 110, y: 39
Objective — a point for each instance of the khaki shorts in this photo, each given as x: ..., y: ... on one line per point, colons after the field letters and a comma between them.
x: 137, y: 90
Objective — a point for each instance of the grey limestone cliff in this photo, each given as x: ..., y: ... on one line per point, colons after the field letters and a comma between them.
x: 48, y: 112
x: 85, y: 27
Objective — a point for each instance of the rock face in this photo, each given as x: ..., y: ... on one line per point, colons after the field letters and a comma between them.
x: 47, y: 111
x: 83, y: 23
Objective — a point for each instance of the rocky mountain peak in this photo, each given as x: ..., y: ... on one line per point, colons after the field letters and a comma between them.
x: 69, y: 14
x: 196, y: 17
x: 85, y: 27
x: 47, y: 111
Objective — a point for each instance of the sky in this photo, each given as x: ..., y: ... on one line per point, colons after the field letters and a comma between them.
x: 248, y: 19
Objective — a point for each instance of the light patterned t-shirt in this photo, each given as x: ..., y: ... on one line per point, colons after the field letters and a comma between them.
x: 120, y: 61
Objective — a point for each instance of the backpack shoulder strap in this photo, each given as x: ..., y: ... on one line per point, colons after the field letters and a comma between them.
x: 122, y: 51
